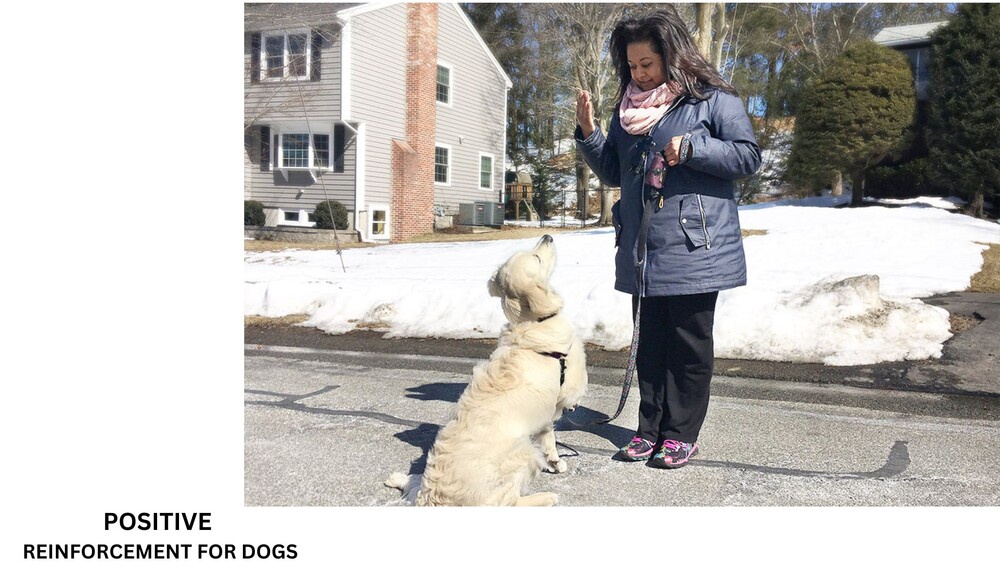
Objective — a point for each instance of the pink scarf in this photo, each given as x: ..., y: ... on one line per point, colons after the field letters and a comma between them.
x: 641, y: 110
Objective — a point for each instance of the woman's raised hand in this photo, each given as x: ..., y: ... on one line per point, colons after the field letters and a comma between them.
x: 585, y: 113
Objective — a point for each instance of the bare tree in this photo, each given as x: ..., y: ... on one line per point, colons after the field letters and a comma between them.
x: 583, y: 30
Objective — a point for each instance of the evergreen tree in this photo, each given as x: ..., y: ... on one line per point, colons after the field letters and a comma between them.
x: 964, y: 126
x: 855, y: 113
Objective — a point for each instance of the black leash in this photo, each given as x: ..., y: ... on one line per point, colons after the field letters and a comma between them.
x: 640, y: 268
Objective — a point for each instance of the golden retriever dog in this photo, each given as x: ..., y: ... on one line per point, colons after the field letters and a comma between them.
x: 502, y: 434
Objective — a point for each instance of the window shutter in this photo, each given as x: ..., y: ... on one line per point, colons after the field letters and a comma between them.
x: 265, y: 149
x: 274, y: 152
x: 255, y: 57
x: 339, y: 146
x: 317, y: 42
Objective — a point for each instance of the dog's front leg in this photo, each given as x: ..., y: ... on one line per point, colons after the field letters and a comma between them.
x: 547, y: 441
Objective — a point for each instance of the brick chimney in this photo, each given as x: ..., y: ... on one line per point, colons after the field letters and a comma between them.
x: 413, y: 160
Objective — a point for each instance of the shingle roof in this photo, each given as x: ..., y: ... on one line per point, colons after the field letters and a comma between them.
x: 268, y: 16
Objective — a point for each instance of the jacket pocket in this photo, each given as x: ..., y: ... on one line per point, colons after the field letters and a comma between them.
x: 616, y: 220
x: 694, y: 221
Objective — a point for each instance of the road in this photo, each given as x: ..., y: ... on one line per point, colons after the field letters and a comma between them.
x: 325, y: 427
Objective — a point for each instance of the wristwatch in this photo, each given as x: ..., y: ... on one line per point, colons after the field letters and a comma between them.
x: 685, y: 149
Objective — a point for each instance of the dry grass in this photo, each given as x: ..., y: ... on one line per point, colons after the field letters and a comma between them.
x: 449, y: 235
x: 274, y: 246
x: 961, y: 322
x: 988, y: 279
x: 272, y: 322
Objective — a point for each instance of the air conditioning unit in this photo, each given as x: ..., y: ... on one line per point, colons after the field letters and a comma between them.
x: 494, y: 213
x: 472, y: 213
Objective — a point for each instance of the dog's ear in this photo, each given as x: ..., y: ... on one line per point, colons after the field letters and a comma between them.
x: 543, y: 302
x: 492, y: 286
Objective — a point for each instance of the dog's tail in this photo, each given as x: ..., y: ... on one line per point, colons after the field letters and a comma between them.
x: 409, y: 484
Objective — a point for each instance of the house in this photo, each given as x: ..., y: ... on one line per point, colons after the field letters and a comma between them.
x: 914, y: 41
x: 392, y: 109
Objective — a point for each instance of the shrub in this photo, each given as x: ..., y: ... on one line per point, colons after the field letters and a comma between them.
x: 962, y: 136
x: 253, y: 213
x: 904, y: 181
x: 854, y: 114
x: 331, y: 214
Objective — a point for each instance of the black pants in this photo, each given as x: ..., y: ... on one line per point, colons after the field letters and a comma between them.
x: 674, y: 364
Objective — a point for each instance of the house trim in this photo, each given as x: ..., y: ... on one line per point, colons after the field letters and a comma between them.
x: 451, y: 84
x: 345, y: 69
x: 284, y: 33
x: 384, y: 207
x: 493, y: 164
x: 451, y: 159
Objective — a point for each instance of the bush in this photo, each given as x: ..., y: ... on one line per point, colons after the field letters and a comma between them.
x: 331, y: 214
x: 253, y: 213
x: 904, y: 181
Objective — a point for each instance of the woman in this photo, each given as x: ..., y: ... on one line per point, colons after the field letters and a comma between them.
x: 676, y: 143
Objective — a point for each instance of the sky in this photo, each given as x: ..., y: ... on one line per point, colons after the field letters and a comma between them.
x: 829, y: 285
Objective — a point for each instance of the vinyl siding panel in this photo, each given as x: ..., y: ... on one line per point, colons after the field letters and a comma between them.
x: 475, y: 121
x: 378, y: 91
x: 297, y: 106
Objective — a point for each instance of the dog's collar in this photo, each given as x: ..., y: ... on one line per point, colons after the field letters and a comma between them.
x: 547, y: 317
x: 562, y: 364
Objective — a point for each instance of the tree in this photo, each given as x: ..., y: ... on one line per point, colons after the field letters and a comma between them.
x: 581, y: 31
x: 854, y: 114
x: 964, y: 123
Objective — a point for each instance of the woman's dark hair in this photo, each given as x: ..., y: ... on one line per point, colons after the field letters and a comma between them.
x: 669, y: 38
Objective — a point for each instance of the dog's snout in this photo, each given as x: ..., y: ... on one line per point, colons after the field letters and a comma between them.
x: 547, y: 239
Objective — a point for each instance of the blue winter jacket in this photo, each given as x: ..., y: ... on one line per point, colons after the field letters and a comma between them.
x: 694, y: 243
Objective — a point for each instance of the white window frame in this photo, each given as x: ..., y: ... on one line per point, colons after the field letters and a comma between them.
x: 450, y: 160
x: 303, y: 218
x: 371, y: 222
x: 451, y: 84
x: 479, y: 179
x: 312, y: 151
x: 284, y: 34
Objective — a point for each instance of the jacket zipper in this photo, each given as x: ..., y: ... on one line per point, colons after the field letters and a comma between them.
x: 645, y: 155
x: 704, y: 224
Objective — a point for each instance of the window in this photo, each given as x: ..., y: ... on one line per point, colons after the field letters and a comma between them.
x: 295, y: 150
x: 321, y: 150
x: 378, y: 222
x: 486, y: 171
x: 442, y: 164
x: 300, y: 150
x: 444, y: 84
x: 292, y: 216
x: 285, y: 56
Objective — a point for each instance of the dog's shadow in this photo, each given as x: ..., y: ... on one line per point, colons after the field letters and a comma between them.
x: 424, y: 434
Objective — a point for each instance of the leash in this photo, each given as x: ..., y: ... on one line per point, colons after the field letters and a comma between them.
x: 640, y: 267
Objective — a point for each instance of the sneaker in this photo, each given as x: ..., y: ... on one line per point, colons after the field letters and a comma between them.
x: 638, y: 449
x: 674, y: 454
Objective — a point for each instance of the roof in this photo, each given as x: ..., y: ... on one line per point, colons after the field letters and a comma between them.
x: 907, y: 34
x: 271, y: 15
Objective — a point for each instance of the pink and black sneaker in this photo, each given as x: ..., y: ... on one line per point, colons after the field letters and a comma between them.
x: 637, y: 450
x: 674, y: 454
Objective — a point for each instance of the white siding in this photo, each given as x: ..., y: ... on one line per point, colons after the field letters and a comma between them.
x: 378, y: 92
x: 475, y: 121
